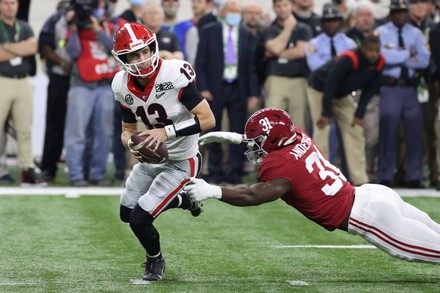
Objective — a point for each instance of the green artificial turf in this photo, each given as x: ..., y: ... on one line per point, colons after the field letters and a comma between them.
x: 55, y: 244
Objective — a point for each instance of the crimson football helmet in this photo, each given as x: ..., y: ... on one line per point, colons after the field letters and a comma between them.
x: 133, y: 37
x: 267, y: 130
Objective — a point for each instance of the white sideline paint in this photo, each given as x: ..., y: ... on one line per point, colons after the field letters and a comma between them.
x: 140, y: 282
x: 73, y: 192
x: 327, y: 246
x: 17, y: 283
x: 69, y: 192
x: 297, y: 283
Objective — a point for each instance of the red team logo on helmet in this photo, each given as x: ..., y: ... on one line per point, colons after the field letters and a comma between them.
x: 268, y: 130
x: 133, y: 37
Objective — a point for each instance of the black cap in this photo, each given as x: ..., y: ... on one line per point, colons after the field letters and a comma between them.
x: 399, y: 5
x: 330, y: 11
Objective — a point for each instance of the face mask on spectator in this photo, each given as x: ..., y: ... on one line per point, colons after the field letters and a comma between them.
x: 98, y: 12
x: 233, y: 19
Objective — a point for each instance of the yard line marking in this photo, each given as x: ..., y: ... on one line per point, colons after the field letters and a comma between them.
x: 327, y: 246
x: 17, y: 283
x: 297, y: 283
x: 140, y: 282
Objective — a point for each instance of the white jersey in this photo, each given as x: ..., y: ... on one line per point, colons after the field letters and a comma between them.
x: 159, y: 103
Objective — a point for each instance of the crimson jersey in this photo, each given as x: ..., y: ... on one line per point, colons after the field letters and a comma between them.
x: 319, y: 190
x: 160, y: 103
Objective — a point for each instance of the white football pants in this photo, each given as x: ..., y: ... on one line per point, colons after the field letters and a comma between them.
x: 153, y: 186
x: 380, y: 216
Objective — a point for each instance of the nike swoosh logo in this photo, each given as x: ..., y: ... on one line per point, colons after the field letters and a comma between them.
x: 158, y: 96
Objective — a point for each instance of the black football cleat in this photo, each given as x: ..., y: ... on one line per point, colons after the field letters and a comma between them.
x: 154, y: 269
x: 195, y: 207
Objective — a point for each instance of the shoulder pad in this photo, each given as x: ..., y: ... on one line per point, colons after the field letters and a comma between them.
x: 179, y: 72
x: 117, y: 81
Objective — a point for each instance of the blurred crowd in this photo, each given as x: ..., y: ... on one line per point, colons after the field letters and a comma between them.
x: 385, y: 131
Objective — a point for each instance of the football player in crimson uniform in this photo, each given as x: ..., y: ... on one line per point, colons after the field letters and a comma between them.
x: 161, y: 94
x: 292, y: 168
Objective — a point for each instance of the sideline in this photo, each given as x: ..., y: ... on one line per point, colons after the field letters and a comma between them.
x: 116, y: 191
x: 66, y: 191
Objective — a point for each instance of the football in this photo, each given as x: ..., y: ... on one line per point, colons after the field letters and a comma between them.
x: 148, y: 153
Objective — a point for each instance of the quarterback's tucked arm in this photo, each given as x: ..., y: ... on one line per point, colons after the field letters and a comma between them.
x: 256, y: 194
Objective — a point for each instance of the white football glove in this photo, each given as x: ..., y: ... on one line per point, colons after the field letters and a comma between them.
x: 199, y: 190
x: 221, y: 136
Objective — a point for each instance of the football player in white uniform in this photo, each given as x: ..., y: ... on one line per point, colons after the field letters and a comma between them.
x: 161, y: 94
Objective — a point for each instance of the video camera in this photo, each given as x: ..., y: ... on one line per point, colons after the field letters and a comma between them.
x: 83, y: 10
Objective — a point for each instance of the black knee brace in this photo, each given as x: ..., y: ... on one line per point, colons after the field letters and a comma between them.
x: 140, y: 218
x: 124, y: 214
x: 141, y: 223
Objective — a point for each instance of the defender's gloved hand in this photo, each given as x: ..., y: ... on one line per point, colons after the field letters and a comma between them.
x: 200, y: 190
x: 221, y: 136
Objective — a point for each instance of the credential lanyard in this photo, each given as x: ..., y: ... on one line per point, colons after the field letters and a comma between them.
x: 6, y: 34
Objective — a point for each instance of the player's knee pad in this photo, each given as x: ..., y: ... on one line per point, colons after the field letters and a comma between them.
x: 140, y: 218
x: 124, y: 214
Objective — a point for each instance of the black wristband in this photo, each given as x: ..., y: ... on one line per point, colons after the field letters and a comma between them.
x: 184, y: 128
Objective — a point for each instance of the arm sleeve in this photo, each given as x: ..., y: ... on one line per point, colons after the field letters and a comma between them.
x: 342, y: 68
x: 190, y: 96
x: 127, y: 115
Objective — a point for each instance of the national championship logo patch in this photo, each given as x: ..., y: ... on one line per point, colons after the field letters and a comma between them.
x: 129, y: 99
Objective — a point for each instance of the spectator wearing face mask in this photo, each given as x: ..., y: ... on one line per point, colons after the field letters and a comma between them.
x: 226, y: 77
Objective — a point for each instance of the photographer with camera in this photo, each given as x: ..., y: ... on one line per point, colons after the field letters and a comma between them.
x: 89, y: 121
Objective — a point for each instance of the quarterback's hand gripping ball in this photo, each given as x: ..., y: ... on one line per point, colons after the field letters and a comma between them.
x: 149, y: 155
